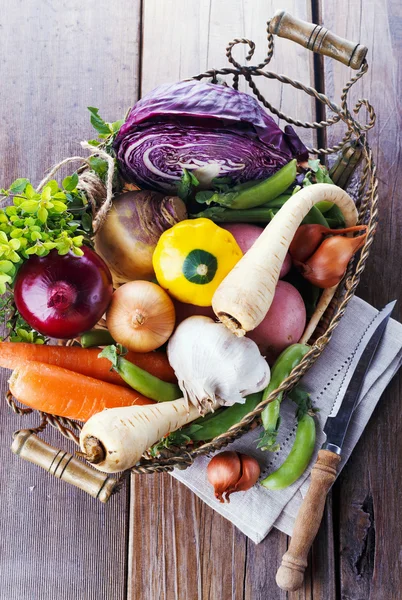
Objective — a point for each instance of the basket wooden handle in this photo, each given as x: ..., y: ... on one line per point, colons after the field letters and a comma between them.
x: 62, y: 465
x: 318, y: 39
x: 290, y: 574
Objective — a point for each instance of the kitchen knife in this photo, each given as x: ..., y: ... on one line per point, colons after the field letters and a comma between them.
x: 290, y: 574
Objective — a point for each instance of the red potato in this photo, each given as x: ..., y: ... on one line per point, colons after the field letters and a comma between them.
x: 284, y: 323
x: 245, y: 235
x: 184, y: 310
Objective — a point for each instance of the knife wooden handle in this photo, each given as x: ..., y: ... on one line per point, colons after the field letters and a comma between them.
x: 290, y: 574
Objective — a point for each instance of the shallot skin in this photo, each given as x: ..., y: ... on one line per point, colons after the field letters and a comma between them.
x: 62, y: 296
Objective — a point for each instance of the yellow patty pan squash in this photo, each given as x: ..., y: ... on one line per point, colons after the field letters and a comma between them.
x: 192, y: 258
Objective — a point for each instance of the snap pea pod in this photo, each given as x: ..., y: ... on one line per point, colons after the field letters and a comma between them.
x: 219, y: 214
x: 335, y: 217
x: 140, y: 380
x: 213, y: 424
x: 298, y: 458
x: 282, y: 368
x: 315, y: 217
x: 96, y: 337
x: 244, y: 196
x: 277, y: 202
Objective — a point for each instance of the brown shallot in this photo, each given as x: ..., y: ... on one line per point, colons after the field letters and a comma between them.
x: 326, y: 267
x: 308, y: 238
x: 230, y: 472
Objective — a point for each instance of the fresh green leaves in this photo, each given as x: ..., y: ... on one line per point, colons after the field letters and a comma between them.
x: 303, y: 402
x: 100, y: 166
x: 38, y: 222
x: 18, y: 186
x: 169, y: 442
x: 17, y: 329
x: 317, y: 173
x: 188, y: 182
x: 70, y: 183
x: 111, y: 353
x: 101, y: 126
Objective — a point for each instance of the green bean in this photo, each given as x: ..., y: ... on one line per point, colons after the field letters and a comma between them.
x: 96, y: 337
x: 140, y: 380
x: 282, y: 368
x: 213, y: 424
x: 298, y: 458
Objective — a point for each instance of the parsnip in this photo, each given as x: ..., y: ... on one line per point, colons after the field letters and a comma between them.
x: 115, y: 439
x: 320, y: 309
x: 243, y: 298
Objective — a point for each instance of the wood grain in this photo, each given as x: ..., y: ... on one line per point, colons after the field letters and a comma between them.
x: 57, y: 58
x: 368, y: 492
x: 202, y: 29
x: 203, y: 556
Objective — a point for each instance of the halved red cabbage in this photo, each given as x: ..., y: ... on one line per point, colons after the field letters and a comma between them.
x: 204, y: 126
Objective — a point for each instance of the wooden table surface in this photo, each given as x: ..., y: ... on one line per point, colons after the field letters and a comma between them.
x: 156, y: 540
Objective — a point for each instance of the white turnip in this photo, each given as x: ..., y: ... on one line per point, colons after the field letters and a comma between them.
x: 134, y: 224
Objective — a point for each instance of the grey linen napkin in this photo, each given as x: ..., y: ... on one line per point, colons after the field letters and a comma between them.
x: 256, y: 511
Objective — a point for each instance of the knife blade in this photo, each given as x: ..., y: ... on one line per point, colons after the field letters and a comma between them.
x: 290, y: 574
x: 335, y: 428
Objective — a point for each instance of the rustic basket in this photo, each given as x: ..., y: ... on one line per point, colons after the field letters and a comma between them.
x: 352, y: 148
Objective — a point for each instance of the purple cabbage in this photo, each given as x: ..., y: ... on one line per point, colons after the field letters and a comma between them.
x: 211, y: 129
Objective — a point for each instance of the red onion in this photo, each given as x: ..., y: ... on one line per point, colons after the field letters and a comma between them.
x: 63, y: 296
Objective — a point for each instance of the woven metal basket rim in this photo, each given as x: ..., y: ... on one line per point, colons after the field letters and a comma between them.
x: 367, y: 204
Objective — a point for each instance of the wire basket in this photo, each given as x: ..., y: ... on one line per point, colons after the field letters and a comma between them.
x: 352, y: 148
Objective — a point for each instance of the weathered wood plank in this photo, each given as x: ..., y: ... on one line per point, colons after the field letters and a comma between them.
x: 189, y: 551
x: 368, y: 492
x: 194, y: 35
x: 57, y: 59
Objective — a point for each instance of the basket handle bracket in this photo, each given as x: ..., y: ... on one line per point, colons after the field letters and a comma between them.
x: 318, y: 39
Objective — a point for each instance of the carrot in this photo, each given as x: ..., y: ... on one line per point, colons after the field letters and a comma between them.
x: 84, y: 361
x: 244, y: 297
x: 64, y: 393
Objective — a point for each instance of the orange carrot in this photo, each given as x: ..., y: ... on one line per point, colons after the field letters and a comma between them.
x: 64, y: 393
x: 84, y: 360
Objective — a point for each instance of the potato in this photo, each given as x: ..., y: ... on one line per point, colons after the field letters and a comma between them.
x: 284, y: 323
x: 184, y: 310
x: 245, y: 235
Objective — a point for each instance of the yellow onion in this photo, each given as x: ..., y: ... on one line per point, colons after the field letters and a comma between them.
x: 141, y: 316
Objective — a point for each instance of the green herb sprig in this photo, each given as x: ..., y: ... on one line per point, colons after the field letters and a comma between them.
x: 38, y: 222
x: 107, y: 134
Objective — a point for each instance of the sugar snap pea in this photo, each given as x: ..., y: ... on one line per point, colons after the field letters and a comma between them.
x: 244, y: 196
x: 284, y: 364
x: 219, y: 214
x: 213, y: 424
x: 298, y: 458
x: 140, y: 380
x: 315, y: 217
x: 96, y: 337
